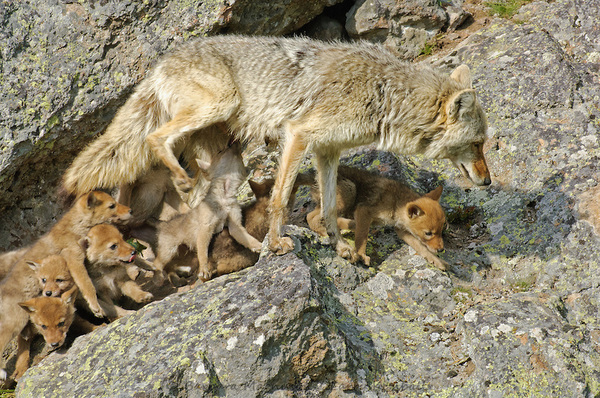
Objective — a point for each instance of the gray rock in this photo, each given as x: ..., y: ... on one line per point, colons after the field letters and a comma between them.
x: 516, y: 315
x: 67, y: 66
x: 403, y: 26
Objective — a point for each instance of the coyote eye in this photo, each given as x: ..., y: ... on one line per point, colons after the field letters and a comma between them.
x: 43, y: 280
x: 61, y: 324
x: 428, y: 233
x: 44, y: 327
x: 113, y: 246
x: 112, y: 206
x: 60, y: 280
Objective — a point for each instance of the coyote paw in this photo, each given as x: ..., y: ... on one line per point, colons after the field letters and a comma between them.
x: 143, y: 297
x: 281, y: 245
x: 365, y: 259
x: 183, y: 183
x: 346, y: 251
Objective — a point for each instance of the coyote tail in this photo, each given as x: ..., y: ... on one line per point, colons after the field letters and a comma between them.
x: 120, y: 155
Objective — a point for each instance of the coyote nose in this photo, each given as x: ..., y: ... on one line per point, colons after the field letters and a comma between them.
x: 48, y: 293
x: 487, y: 181
x: 54, y: 345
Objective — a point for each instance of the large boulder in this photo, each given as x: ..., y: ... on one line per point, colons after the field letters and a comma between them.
x: 516, y: 314
x: 67, y: 66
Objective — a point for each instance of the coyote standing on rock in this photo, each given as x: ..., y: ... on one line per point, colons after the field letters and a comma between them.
x: 310, y: 95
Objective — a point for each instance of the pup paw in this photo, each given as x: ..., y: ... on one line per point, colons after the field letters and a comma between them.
x: 441, y: 264
x: 204, y: 273
x: 145, y: 297
x: 365, y: 259
x: 97, y: 311
x: 281, y: 245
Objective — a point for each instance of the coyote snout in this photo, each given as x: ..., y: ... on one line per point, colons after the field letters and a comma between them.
x: 471, y: 163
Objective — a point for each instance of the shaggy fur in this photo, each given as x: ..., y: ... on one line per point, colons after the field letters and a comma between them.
x: 21, y: 283
x: 364, y: 198
x: 310, y: 95
x: 219, y: 209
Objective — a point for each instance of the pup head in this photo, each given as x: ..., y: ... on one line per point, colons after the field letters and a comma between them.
x: 227, y: 165
x: 105, y: 245
x: 466, y: 130
x: 52, y: 316
x: 426, y: 220
x: 100, y: 207
x: 53, y: 274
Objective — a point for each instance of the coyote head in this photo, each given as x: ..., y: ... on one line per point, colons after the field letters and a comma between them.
x: 466, y: 129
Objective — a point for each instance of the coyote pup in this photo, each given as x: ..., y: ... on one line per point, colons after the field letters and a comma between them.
x: 49, y: 316
x: 21, y: 283
x: 364, y: 198
x: 219, y: 209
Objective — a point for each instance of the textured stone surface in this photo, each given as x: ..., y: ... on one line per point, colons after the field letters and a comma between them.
x: 516, y: 315
x: 67, y: 66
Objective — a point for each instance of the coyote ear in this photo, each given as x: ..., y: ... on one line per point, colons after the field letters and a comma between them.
x: 436, y: 193
x: 461, y: 104
x: 68, y: 296
x: 33, y: 265
x: 92, y: 200
x: 462, y: 74
x: 414, y: 210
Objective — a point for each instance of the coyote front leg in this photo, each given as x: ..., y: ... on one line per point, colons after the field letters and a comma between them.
x: 293, y: 153
x: 327, y: 163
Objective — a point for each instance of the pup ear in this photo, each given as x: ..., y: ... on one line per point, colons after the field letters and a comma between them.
x: 68, y: 296
x: 462, y: 74
x: 92, y: 200
x: 259, y: 188
x: 414, y: 210
x: 84, y: 243
x: 28, y: 306
x: 436, y: 193
x: 33, y: 265
x: 461, y: 104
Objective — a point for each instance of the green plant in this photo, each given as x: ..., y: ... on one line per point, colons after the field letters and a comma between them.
x: 505, y: 8
x: 7, y: 393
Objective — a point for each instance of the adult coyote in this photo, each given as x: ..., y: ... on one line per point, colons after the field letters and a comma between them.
x: 308, y: 94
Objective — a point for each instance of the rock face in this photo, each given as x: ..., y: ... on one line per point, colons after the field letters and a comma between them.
x: 516, y: 314
x: 403, y: 26
x: 66, y: 68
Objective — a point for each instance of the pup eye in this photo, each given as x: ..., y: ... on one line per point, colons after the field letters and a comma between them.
x: 428, y: 233
x: 112, y: 206
x: 43, y: 280
x: 61, y: 324
x: 113, y: 246
x: 44, y: 327
x: 60, y: 280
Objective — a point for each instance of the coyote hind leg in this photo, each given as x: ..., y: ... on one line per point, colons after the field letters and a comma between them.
x: 204, y: 109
